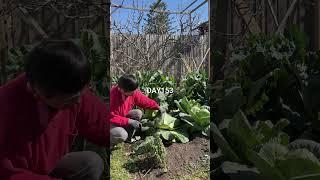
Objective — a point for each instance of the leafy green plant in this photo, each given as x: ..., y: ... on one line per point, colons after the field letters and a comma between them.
x: 192, y: 119
x: 238, y: 133
x: 153, y: 147
x: 195, y: 115
x: 167, y: 127
x: 310, y: 145
x: 265, y: 148
x: 195, y: 86
x: 277, y: 162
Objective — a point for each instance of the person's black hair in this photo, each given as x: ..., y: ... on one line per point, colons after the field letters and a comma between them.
x: 57, y: 67
x: 128, y: 83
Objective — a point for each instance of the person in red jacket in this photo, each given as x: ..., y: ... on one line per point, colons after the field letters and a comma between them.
x: 123, y: 97
x: 44, y: 109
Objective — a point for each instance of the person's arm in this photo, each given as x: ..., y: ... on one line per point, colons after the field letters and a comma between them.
x: 114, y: 117
x: 118, y: 120
x: 144, y: 101
x: 8, y: 171
x: 93, y: 123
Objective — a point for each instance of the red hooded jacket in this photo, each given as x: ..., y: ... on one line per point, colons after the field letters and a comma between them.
x: 30, y: 148
x: 120, y: 105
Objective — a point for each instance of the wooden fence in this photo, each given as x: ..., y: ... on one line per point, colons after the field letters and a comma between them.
x: 174, y: 54
x: 236, y: 19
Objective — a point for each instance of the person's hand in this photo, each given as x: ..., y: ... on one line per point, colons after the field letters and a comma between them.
x: 134, y: 123
x: 162, y: 110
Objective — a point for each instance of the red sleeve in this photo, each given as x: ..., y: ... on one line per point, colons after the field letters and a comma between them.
x: 113, y: 116
x: 7, y: 169
x: 144, y: 101
x: 93, y: 123
x: 118, y: 120
x: 8, y: 172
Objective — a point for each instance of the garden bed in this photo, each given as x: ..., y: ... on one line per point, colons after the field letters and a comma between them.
x: 185, y: 161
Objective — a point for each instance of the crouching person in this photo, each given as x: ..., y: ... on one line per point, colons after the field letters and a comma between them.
x: 124, y: 119
x: 43, y: 110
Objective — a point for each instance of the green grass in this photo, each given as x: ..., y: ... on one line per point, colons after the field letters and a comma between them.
x: 118, y: 160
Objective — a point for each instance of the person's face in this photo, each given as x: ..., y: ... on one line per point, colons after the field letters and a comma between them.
x: 60, y: 101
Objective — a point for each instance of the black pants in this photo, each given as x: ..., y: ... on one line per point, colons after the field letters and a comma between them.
x: 120, y: 134
x: 83, y: 165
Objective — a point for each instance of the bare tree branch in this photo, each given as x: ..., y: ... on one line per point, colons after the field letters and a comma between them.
x: 134, y: 50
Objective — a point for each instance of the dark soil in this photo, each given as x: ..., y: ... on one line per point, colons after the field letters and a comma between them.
x: 182, y: 160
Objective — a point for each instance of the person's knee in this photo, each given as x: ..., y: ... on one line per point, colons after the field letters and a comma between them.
x: 118, y: 133
x: 94, y: 163
x: 93, y: 158
x: 79, y: 165
x: 135, y: 114
x: 123, y: 134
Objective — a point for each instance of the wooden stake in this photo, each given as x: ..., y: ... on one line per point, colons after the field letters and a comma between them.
x: 273, y: 13
x: 243, y: 8
x: 28, y: 19
x: 284, y: 20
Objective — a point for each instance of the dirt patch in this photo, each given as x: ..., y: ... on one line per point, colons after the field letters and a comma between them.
x: 182, y: 159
